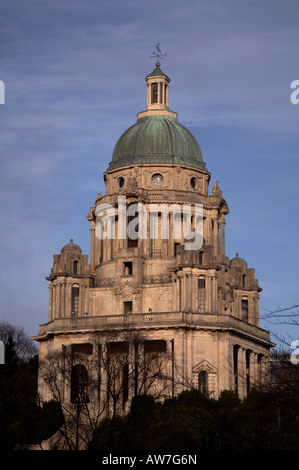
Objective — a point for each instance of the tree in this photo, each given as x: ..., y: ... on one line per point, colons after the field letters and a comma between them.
x: 20, y: 415
x: 99, y: 379
x: 285, y: 316
x: 24, y: 347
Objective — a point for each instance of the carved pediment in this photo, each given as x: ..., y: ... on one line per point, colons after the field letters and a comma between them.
x: 206, y: 366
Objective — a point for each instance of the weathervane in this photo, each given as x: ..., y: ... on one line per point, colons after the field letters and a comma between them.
x: 158, y: 54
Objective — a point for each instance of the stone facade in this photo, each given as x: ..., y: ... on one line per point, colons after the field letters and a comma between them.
x: 196, y: 307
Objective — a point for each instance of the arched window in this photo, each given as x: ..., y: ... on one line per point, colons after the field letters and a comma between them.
x: 244, y: 307
x: 203, y: 382
x: 133, y: 225
x: 75, y: 301
x: 154, y: 93
x: 75, y: 267
x: 244, y: 280
x: 201, y: 295
x: 79, y: 383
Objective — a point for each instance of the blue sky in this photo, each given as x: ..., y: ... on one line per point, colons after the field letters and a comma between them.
x: 74, y: 82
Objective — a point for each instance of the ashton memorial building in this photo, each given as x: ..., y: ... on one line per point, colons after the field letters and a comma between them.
x: 194, y: 307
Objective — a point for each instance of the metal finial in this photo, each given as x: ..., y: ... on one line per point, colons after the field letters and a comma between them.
x: 158, y: 54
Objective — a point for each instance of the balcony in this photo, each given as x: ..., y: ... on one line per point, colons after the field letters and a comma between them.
x: 203, y: 321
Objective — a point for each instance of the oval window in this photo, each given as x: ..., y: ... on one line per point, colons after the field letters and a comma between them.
x: 121, y: 182
x: 193, y: 182
x: 157, y: 178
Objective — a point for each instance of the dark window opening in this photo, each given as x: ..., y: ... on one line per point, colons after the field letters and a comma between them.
x: 128, y: 268
x: 132, y: 243
x: 200, y: 258
x: 128, y: 307
x: 244, y: 280
x: 75, y: 267
x: 118, y: 347
x: 176, y: 245
x: 193, y: 182
x: 154, y: 93
x: 82, y: 348
x: 203, y: 382
x: 75, y: 301
x: 133, y: 226
x: 121, y: 182
x: 244, y: 306
x: 79, y: 383
x: 155, y: 345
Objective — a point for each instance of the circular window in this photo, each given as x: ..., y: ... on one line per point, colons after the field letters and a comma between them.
x: 121, y: 182
x: 193, y: 182
x: 157, y: 178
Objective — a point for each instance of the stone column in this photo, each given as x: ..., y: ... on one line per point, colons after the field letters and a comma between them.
x: 209, y: 293
x: 98, y: 249
x: 180, y: 292
x: 213, y: 295
x: 170, y: 237
x: 222, y: 226
x: 148, y: 94
x: 50, y: 302
x: 188, y: 292
x: 62, y: 294
x: 253, y: 369
x: 148, y: 238
x: 68, y: 305
x: 103, y: 373
x: 131, y: 360
x: 86, y: 305
x: 159, y: 92
x: 184, y: 292
x: 215, y: 236
x: 194, y: 307
x: 53, y: 301
x: 242, y: 372
x: 140, y: 364
x: 58, y: 312
x: 82, y: 300
x: 170, y: 367
x: 92, y: 249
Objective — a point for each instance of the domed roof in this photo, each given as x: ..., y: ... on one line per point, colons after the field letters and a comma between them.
x: 71, y: 247
x: 157, y: 139
x: 238, y: 261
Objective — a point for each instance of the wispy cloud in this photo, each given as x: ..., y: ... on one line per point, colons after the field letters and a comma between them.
x: 74, y: 76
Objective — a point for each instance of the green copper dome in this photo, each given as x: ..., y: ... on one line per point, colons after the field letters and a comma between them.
x: 157, y: 139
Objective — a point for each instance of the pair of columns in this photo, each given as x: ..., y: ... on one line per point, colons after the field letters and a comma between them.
x: 60, y: 299
x: 249, y: 369
x: 190, y: 296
